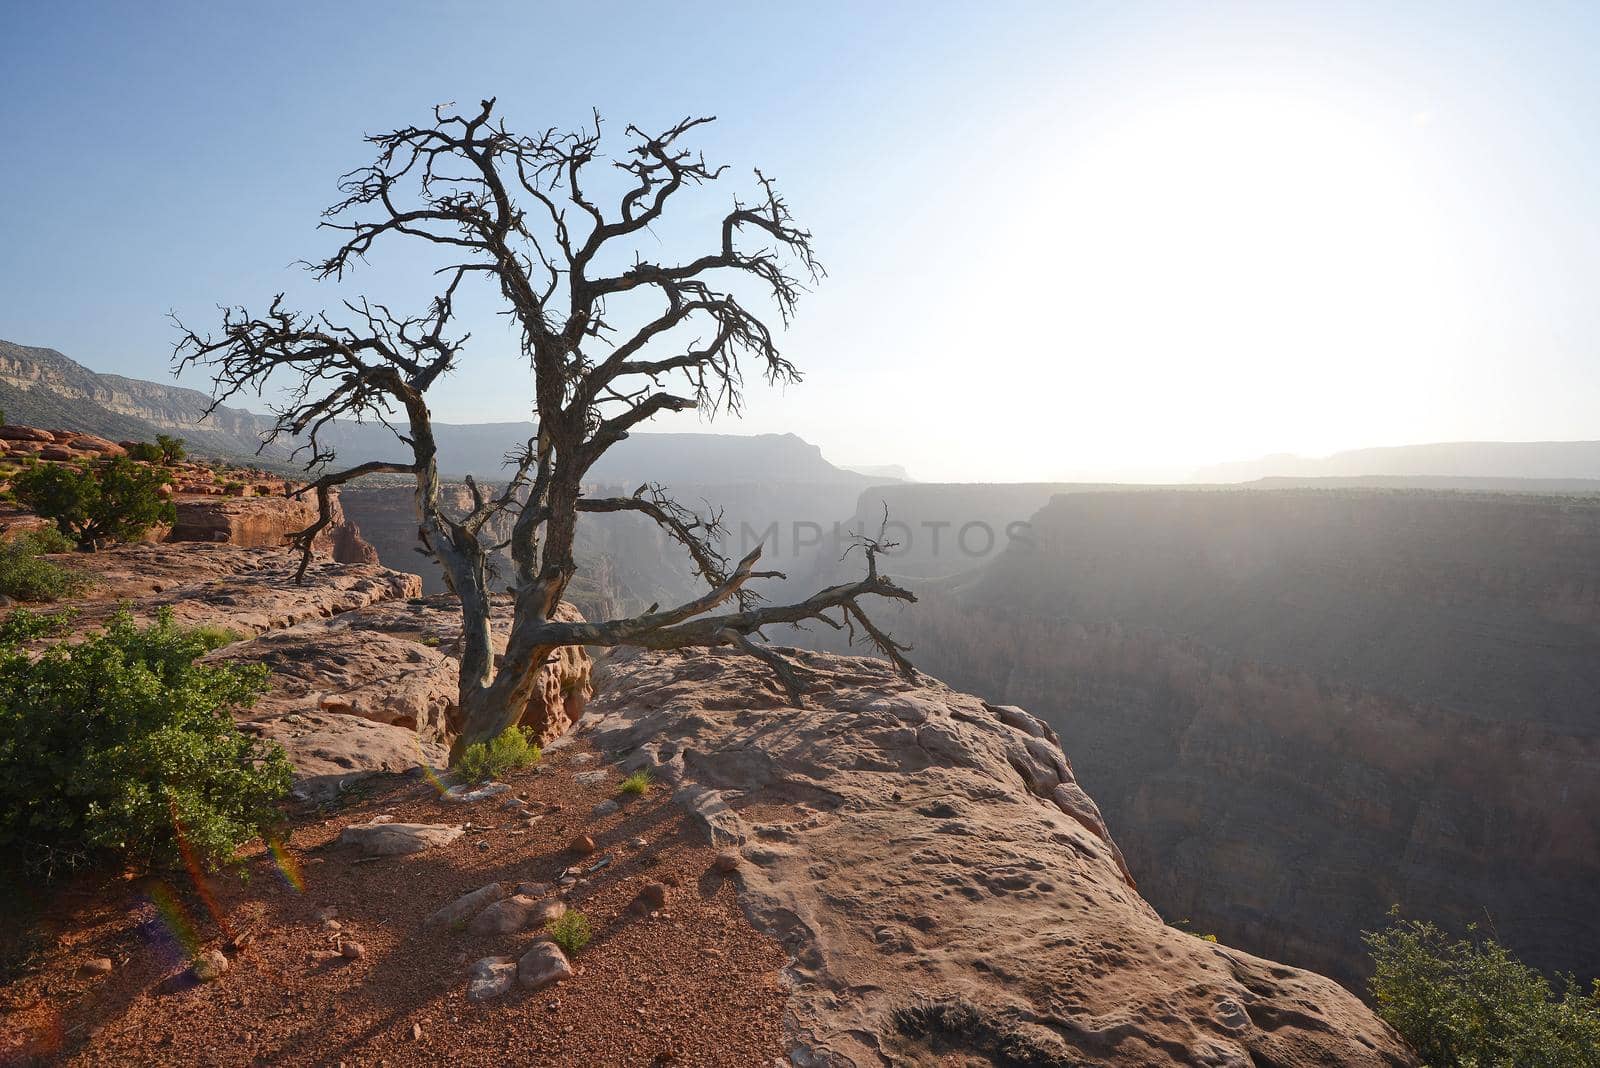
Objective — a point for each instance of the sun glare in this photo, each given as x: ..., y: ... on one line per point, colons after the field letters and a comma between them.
x: 1267, y: 259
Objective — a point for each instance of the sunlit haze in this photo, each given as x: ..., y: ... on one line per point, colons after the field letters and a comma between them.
x: 1076, y: 241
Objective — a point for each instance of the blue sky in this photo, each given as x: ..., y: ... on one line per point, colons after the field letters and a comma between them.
x: 1110, y: 240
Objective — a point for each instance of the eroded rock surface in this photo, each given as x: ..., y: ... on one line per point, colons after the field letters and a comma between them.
x: 945, y: 888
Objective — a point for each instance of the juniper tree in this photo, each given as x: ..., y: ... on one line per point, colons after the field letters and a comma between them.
x: 609, y: 348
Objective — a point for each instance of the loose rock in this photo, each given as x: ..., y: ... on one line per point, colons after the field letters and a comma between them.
x: 210, y: 966
x: 542, y: 965
x: 604, y: 808
x: 504, y: 916
x: 97, y: 966
x: 395, y: 839
x: 490, y: 977
x: 466, y: 906
x: 581, y: 845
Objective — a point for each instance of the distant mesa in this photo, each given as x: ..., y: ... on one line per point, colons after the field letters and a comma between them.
x: 1433, y: 465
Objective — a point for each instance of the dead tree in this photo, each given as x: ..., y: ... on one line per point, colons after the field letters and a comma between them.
x: 515, y: 211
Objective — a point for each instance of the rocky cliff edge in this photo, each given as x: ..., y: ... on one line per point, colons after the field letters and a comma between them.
x: 947, y: 892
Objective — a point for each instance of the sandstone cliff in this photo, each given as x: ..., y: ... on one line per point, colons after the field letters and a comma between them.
x: 947, y: 892
x: 1298, y: 708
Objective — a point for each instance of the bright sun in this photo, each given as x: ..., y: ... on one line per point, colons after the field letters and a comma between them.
x: 1233, y: 270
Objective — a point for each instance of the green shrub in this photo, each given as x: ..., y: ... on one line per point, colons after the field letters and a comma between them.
x: 1466, y: 1003
x: 571, y: 932
x: 513, y: 749
x: 145, y: 452
x: 26, y: 576
x: 119, y: 499
x: 173, y: 450
x: 117, y: 747
x: 635, y: 785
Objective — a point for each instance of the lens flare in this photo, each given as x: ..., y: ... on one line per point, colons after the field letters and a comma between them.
x: 287, y: 865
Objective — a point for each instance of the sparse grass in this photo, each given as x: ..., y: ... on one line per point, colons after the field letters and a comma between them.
x: 571, y: 932
x: 215, y: 637
x: 635, y: 785
x: 513, y: 749
x: 431, y: 640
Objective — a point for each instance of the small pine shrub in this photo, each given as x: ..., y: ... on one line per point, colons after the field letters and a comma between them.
x: 117, y: 500
x: 121, y: 746
x: 145, y: 452
x: 635, y: 785
x: 513, y: 749
x: 26, y: 576
x: 1465, y: 1003
x: 571, y: 932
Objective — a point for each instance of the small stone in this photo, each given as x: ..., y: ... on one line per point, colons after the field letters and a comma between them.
x: 466, y: 906
x: 97, y: 966
x: 503, y: 917
x: 416, y: 1032
x: 210, y: 966
x: 727, y: 862
x: 534, y: 890
x: 483, y: 846
x: 547, y: 912
x: 328, y: 913
x: 637, y: 843
x: 468, y: 794
x: 543, y: 964
x: 384, y: 839
x: 354, y: 950
x: 332, y: 925
x: 591, y: 778
x: 653, y: 895
x: 582, y: 845
x: 490, y: 977
x: 604, y: 808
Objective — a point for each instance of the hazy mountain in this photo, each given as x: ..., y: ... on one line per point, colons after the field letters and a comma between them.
x: 42, y: 387
x: 1458, y: 459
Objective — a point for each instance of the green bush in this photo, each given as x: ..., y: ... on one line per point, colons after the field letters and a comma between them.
x: 635, y: 785
x: 1466, y: 1003
x: 119, y: 499
x: 26, y: 576
x: 513, y: 749
x: 571, y: 932
x: 117, y: 747
x: 145, y: 452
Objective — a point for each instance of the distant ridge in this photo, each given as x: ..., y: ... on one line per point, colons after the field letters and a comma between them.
x: 1563, y: 460
x: 42, y: 387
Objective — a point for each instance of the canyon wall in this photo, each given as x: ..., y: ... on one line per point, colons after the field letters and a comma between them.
x: 1298, y: 708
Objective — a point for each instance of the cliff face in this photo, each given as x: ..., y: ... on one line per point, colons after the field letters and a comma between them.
x: 946, y: 890
x: 1298, y: 708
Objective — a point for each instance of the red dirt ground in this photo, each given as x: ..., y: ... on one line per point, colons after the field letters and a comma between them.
x: 692, y: 984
